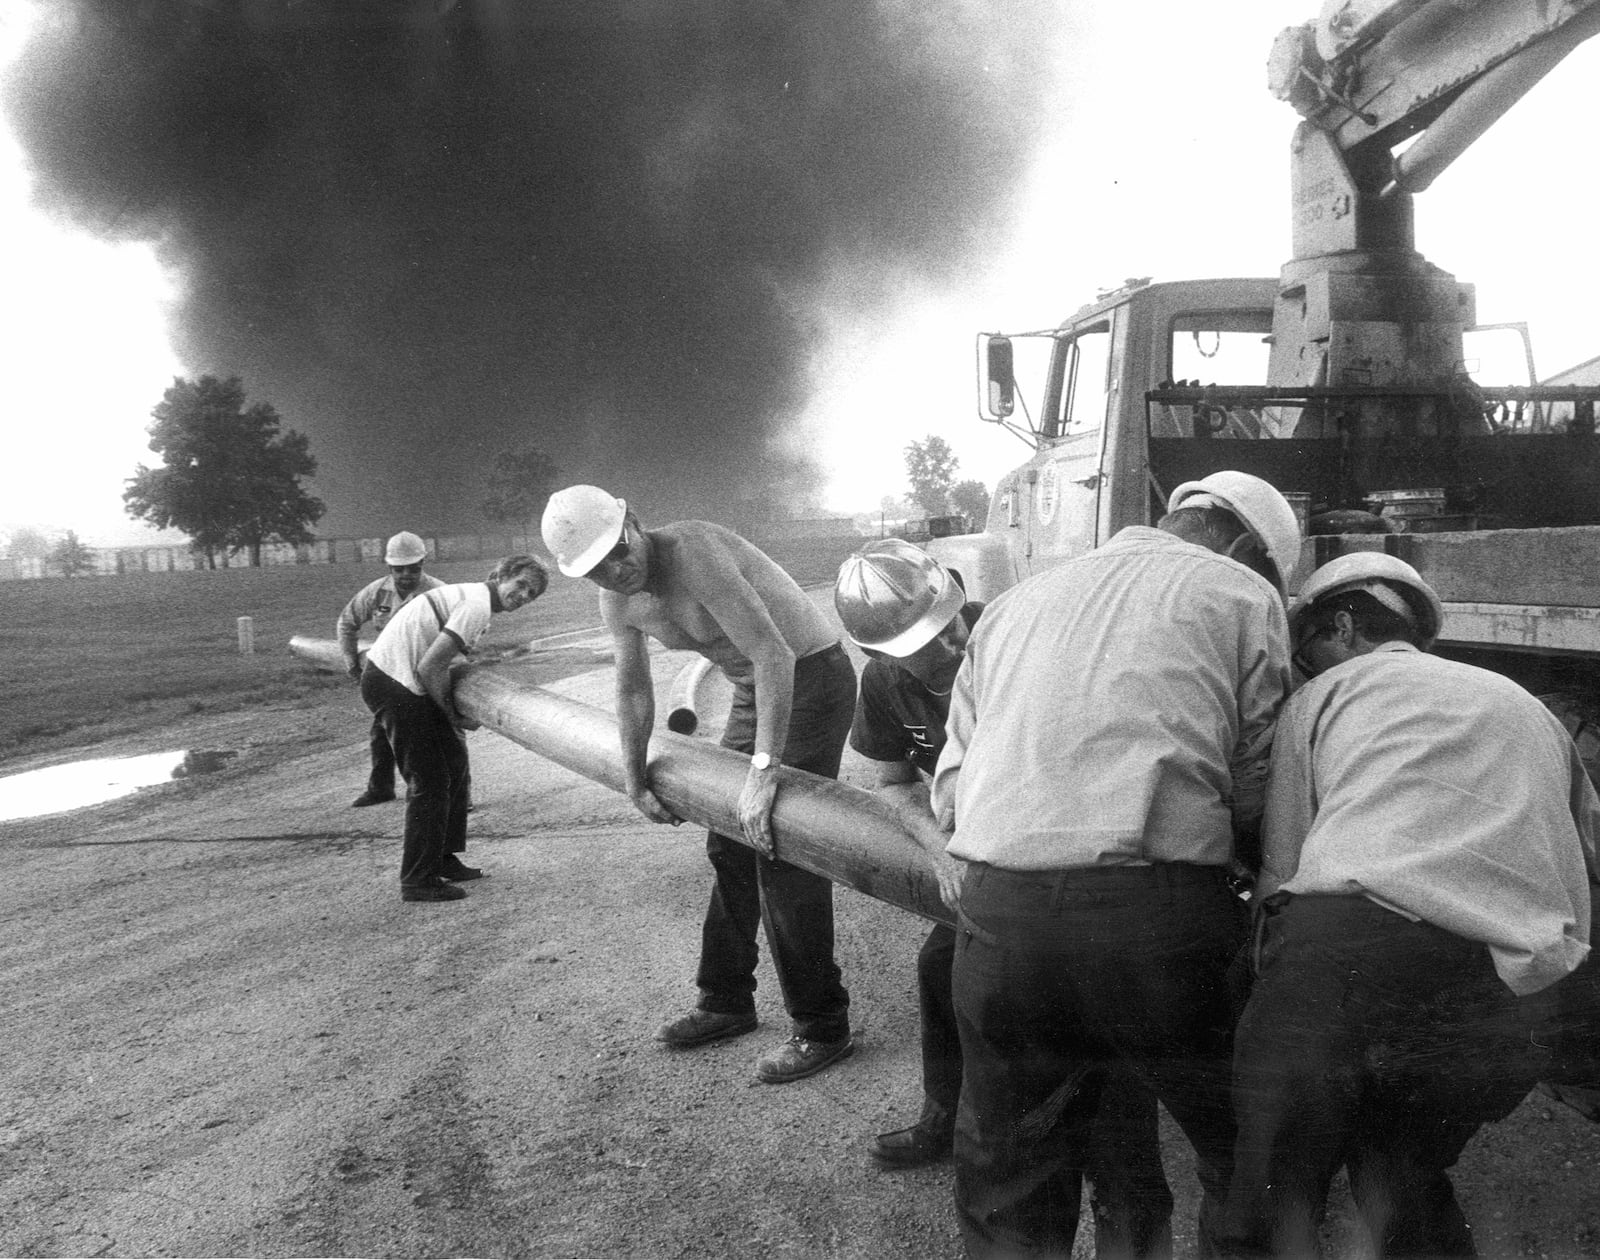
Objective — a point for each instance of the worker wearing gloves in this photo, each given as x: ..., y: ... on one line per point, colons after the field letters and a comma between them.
x: 377, y: 602
x: 406, y: 684
x: 1108, y: 737
x: 1423, y: 888
x: 698, y: 586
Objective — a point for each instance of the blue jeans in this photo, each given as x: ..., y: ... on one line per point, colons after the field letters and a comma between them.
x: 793, y: 905
x: 432, y: 757
x: 1063, y: 978
x: 1380, y: 1044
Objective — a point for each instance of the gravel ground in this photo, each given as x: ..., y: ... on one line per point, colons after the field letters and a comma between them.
x: 228, y: 1037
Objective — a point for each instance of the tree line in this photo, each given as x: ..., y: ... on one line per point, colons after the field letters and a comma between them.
x: 230, y: 478
x: 230, y: 474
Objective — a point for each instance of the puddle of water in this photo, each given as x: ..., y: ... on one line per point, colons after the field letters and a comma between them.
x: 58, y: 789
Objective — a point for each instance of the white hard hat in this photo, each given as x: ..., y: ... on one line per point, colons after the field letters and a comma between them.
x: 405, y: 548
x: 1377, y: 573
x: 893, y: 597
x: 1259, y: 507
x: 581, y: 524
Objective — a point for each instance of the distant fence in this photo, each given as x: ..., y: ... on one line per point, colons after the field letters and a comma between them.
x: 115, y: 561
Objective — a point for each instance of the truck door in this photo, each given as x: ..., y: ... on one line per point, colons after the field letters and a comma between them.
x: 1058, y: 493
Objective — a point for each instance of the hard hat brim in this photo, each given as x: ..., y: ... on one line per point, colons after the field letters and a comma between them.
x: 587, y: 560
x: 918, y: 635
x: 1355, y: 569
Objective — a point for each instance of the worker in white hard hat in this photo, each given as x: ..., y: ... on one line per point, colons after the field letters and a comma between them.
x: 698, y: 586
x: 406, y: 683
x: 376, y: 602
x: 912, y: 619
x: 1427, y: 854
x: 1104, y: 766
x: 1270, y: 541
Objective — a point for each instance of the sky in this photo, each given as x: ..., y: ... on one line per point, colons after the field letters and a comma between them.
x: 756, y: 278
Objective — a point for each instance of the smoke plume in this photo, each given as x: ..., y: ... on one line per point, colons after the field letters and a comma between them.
x: 427, y: 231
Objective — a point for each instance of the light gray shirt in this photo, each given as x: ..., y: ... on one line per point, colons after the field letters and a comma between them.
x: 1114, y: 710
x: 1441, y: 791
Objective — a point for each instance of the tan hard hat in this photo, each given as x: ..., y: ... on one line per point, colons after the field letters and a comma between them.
x: 1377, y: 573
x: 893, y: 597
x: 405, y: 548
x: 1259, y: 507
x: 581, y: 524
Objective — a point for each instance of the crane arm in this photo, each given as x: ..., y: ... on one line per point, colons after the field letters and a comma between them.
x: 1383, y: 70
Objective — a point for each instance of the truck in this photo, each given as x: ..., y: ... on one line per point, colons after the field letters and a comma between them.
x: 925, y: 528
x: 1346, y: 380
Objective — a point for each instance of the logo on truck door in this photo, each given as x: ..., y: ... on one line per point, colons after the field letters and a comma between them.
x: 1048, y: 494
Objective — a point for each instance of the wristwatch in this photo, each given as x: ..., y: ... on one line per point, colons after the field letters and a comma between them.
x: 761, y: 761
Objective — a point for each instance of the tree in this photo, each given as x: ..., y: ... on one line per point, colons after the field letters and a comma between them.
x: 931, y: 468
x: 971, y: 499
x: 519, y: 485
x: 230, y: 479
x: 28, y: 543
x: 71, y: 556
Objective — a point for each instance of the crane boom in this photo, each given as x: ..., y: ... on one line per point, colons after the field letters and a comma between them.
x: 1369, y: 75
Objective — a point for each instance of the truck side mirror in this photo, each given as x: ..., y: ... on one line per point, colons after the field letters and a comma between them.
x: 1002, y: 378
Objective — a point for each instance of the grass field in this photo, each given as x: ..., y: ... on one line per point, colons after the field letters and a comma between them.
x: 88, y: 657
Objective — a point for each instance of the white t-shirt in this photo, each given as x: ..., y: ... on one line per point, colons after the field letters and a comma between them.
x: 461, y: 611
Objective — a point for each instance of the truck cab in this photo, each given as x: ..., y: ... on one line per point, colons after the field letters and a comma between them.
x: 1091, y: 472
x: 1492, y: 492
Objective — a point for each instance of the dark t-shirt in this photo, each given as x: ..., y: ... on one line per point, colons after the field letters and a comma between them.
x: 899, y: 719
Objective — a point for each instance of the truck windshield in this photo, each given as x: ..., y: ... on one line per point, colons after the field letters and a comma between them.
x: 1080, y: 382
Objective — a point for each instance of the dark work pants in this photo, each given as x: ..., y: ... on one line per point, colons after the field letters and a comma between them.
x: 432, y: 757
x: 1380, y: 1044
x: 1063, y: 978
x: 794, y: 906
x: 1131, y: 1201
x: 380, y: 780
x: 1575, y: 1033
x: 941, y: 1039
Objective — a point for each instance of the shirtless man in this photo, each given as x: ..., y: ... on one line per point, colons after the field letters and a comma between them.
x: 697, y: 586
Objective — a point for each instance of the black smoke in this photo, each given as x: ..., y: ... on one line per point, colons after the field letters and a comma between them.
x: 429, y: 231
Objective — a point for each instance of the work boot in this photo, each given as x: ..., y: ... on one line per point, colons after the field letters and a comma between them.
x: 435, y: 889
x: 800, y: 1057
x: 453, y: 868
x: 929, y: 1140
x: 698, y: 1027
x: 372, y: 796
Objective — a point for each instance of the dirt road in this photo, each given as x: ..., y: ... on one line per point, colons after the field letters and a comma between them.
x: 226, y: 1035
